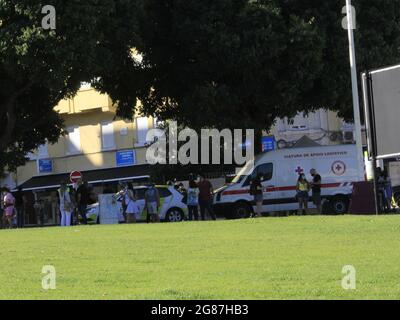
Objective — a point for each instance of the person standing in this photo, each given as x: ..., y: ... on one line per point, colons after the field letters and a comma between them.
x: 256, y: 191
x: 19, y: 207
x: 8, y: 204
x: 206, y: 198
x: 316, y: 189
x: 193, y: 200
x: 302, y: 188
x: 181, y: 189
x: 66, y: 205
x: 388, y: 191
x: 152, y: 203
x: 1, y: 209
x: 74, y: 213
x: 381, y: 189
x: 29, y: 208
x: 121, y: 197
x: 132, y: 208
x: 82, y: 199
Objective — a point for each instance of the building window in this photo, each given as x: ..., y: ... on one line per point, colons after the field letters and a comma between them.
x: 73, y: 140
x: 43, y: 151
x: 107, y: 136
x: 142, y: 127
x: 157, y: 124
x: 298, y: 123
x: 31, y: 156
x: 314, y: 120
x: 302, y: 122
x: 85, y: 86
x: 40, y: 153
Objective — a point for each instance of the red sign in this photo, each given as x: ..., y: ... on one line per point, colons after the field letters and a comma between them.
x: 299, y: 170
x: 75, y: 176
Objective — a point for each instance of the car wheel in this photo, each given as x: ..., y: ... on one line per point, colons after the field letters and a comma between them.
x: 174, y: 215
x: 242, y: 210
x: 340, y: 205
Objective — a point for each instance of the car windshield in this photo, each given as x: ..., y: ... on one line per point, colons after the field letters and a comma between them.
x: 244, y: 172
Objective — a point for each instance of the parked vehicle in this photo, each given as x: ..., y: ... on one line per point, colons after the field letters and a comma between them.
x: 280, y: 170
x: 172, y: 207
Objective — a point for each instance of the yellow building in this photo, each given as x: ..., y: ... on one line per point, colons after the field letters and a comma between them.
x: 105, y: 150
x: 94, y: 141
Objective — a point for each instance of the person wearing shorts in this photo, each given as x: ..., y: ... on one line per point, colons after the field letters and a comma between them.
x: 152, y: 203
x: 302, y: 188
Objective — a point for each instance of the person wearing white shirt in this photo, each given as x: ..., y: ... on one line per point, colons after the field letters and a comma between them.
x: 66, y: 205
x: 132, y: 208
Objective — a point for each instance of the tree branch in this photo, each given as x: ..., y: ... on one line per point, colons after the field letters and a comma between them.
x: 5, y: 139
x: 8, y: 112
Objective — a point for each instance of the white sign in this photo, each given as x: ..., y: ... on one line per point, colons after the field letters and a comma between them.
x: 109, y: 209
x: 394, y: 173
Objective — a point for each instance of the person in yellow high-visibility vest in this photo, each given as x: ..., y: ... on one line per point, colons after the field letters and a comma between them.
x: 302, y: 188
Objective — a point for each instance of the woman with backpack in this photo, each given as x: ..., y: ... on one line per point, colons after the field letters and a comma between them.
x: 303, y: 188
x: 256, y: 190
x: 132, y: 208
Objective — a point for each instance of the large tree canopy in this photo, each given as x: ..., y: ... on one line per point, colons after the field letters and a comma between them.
x: 240, y: 63
x: 210, y: 63
x: 377, y: 36
x: 222, y: 63
x: 39, y: 67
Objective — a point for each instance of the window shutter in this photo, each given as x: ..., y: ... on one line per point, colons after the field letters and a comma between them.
x: 142, y: 126
x: 107, y: 135
x: 73, y: 140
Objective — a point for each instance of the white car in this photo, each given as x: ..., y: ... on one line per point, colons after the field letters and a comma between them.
x: 172, y: 208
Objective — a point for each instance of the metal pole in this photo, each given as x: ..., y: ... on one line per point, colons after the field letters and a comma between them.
x: 369, y: 114
x: 376, y: 187
x: 354, y: 83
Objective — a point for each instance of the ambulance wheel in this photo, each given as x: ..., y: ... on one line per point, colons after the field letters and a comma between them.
x: 340, y: 205
x: 174, y: 215
x: 242, y: 210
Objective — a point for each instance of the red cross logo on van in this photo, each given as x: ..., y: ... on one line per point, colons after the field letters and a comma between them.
x: 339, y: 168
x: 299, y: 170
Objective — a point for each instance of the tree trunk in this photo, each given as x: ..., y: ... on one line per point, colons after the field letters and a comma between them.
x: 5, y: 138
x: 7, y: 111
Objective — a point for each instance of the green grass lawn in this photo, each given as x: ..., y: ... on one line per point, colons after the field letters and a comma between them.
x: 268, y: 258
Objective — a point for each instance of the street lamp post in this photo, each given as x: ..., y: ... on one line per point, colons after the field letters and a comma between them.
x: 354, y: 84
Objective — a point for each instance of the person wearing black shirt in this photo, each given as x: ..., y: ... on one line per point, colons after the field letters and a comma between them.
x: 82, y: 199
x: 316, y: 189
x: 256, y: 191
x: 19, y: 207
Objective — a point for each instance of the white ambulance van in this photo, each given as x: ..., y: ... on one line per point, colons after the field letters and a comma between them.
x: 280, y: 169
